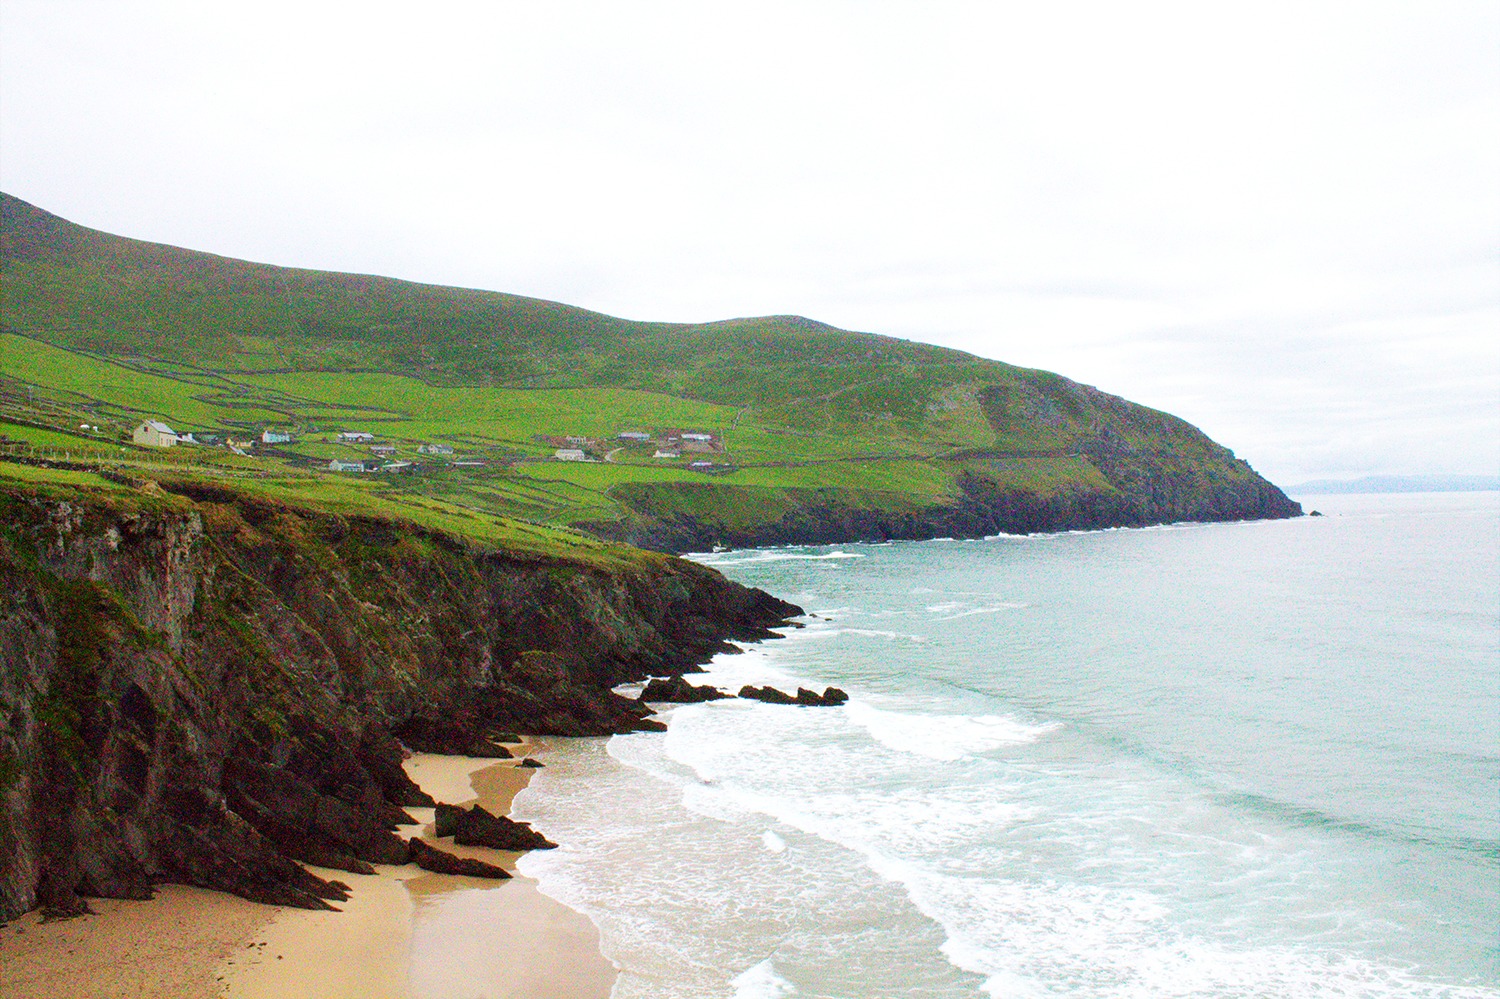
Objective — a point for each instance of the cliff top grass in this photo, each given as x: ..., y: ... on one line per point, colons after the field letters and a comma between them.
x: 103, y: 331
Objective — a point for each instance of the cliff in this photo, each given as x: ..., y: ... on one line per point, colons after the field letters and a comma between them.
x: 205, y: 688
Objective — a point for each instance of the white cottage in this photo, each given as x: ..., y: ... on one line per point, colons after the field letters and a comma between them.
x: 154, y: 433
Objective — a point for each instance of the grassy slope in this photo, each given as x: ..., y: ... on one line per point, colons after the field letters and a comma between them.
x: 105, y: 330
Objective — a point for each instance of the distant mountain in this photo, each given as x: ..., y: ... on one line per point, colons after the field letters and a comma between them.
x: 798, y: 431
x: 1400, y: 484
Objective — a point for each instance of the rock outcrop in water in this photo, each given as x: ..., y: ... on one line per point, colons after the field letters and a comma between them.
x: 831, y: 696
x: 677, y: 690
x: 202, y: 687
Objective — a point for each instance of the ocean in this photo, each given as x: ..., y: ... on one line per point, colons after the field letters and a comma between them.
x: 1257, y: 759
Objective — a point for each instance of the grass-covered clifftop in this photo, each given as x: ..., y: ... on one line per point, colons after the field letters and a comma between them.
x: 817, y: 433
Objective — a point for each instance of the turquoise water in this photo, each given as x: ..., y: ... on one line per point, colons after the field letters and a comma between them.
x: 1226, y: 760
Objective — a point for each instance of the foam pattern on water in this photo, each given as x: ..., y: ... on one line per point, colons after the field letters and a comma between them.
x: 989, y: 816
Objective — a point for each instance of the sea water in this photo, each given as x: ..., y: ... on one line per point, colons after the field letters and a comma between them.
x: 1257, y: 759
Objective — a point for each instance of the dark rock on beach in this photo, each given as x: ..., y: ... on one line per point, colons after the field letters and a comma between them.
x: 676, y: 690
x: 477, y: 827
x: 430, y: 858
x: 530, y: 764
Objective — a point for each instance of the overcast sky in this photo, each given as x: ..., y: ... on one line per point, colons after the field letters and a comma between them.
x: 1281, y: 222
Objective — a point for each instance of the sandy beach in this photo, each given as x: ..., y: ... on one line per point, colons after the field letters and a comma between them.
x: 404, y: 933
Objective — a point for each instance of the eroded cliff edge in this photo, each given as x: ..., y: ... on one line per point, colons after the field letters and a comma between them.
x: 203, y: 687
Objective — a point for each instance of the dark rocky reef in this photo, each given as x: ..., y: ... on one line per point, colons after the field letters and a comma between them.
x: 204, y: 688
x: 677, y: 690
x: 831, y: 696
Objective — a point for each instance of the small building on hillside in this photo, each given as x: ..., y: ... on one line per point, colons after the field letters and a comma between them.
x: 667, y: 454
x: 396, y: 466
x: 383, y: 450
x: 702, y: 465
x: 275, y: 437
x: 632, y: 435
x: 569, y: 454
x: 337, y: 465
x: 435, y: 449
x: 154, y: 433
x: 355, y: 436
x: 704, y: 438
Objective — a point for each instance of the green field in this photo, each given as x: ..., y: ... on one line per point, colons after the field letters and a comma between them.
x: 104, y: 331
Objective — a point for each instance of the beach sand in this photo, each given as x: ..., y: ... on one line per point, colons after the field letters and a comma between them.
x: 404, y: 933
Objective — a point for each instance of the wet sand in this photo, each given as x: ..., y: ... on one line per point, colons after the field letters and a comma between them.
x: 404, y: 933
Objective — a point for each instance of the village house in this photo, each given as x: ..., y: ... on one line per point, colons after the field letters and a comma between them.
x: 632, y: 435
x: 337, y: 465
x: 435, y: 449
x: 275, y: 437
x: 355, y: 436
x: 569, y: 454
x: 383, y: 450
x: 395, y: 466
x: 705, y: 438
x: 667, y: 454
x: 154, y: 433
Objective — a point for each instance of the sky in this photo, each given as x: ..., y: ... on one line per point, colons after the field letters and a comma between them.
x: 1278, y: 221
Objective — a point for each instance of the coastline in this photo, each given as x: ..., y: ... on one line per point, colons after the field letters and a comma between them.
x: 404, y: 932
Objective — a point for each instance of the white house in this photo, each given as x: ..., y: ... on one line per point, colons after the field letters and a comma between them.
x: 356, y: 435
x: 667, y: 454
x: 698, y: 437
x: 384, y: 450
x: 336, y: 465
x: 275, y: 437
x: 154, y: 433
x: 570, y: 454
x: 632, y: 435
x: 435, y: 449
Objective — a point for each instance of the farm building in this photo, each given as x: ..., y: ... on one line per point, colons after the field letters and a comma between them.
x: 631, y: 435
x: 356, y: 436
x: 275, y: 437
x: 569, y: 454
x: 666, y: 454
x: 154, y: 433
x: 383, y: 450
x: 435, y: 449
x: 337, y: 465
x: 698, y: 437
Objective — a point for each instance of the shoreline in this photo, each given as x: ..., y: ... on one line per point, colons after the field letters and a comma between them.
x: 404, y: 933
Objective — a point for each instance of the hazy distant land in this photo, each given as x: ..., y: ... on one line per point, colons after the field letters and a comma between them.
x: 1400, y: 484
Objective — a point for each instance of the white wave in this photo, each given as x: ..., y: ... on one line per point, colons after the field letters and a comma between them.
x: 943, y: 737
x: 993, y: 609
x: 761, y: 556
x: 875, y: 633
x: 762, y: 982
x: 773, y: 842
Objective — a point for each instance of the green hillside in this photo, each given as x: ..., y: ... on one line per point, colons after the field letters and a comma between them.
x: 816, y: 433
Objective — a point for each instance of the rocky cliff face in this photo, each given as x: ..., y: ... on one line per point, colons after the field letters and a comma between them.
x: 1145, y: 488
x: 204, y: 688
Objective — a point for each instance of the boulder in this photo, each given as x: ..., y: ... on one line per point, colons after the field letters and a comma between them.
x: 445, y: 819
x: 529, y: 763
